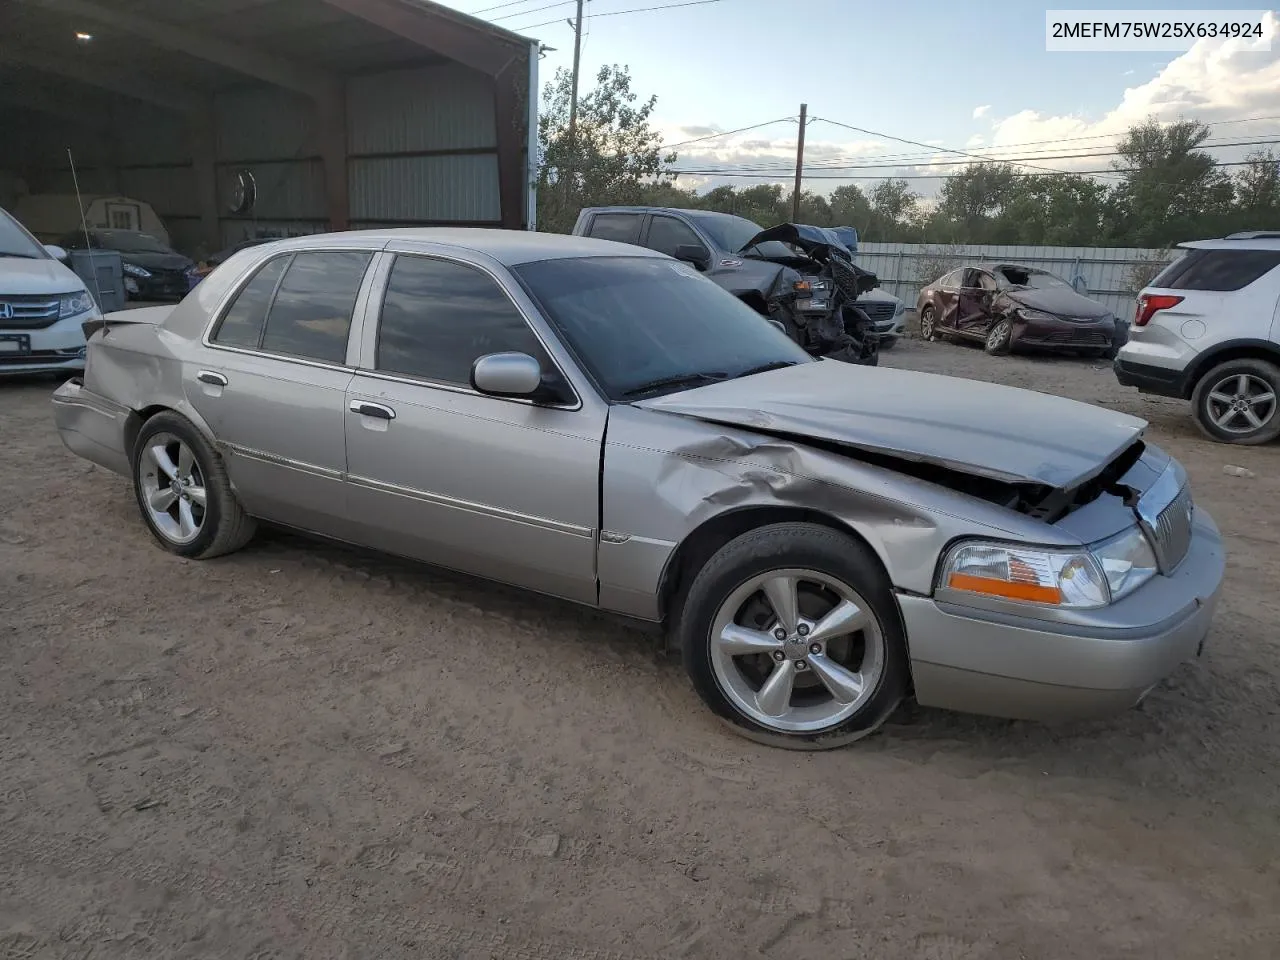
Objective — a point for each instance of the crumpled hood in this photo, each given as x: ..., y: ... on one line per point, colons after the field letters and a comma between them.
x: 1060, y: 303
x: 812, y: 240
x: 984, y: 429
x: 22, y: 275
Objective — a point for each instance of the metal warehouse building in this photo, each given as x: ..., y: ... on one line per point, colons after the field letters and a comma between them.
x: 236, y: 118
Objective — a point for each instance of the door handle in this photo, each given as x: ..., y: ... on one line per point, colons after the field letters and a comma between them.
x: 208, y: 376
x: 367, y: 409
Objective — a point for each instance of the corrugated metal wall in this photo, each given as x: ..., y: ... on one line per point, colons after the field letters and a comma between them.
x: 1105, y: 270
x: 271, y: 133
x: 423, y: 147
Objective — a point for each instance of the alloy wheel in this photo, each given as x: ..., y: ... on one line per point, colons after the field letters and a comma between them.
x: 173, y: 488
x: 1241, y: 403
x: 797, y: 651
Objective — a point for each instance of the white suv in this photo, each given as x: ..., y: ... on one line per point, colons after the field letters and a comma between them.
x: 1207, y: 330
x: 43, y: 305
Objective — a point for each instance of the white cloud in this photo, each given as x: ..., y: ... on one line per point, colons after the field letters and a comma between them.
x: 982, y: 111
x: 1212, y: 82
x: 976, y: 140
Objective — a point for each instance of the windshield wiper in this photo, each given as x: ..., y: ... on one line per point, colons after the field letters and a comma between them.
x: 766, y: 367
x: 19, y: 256
x: 677, y: 380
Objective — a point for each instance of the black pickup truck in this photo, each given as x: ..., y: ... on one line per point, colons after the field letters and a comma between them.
x: 800, y: 276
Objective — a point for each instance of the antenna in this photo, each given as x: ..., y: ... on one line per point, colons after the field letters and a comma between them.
x: 84, y: 225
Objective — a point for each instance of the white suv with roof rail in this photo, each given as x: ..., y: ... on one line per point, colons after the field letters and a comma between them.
x: 43, y: 305
x: 1207, y: 329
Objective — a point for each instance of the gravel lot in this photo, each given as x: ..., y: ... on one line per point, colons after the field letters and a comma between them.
x: 301, y: 751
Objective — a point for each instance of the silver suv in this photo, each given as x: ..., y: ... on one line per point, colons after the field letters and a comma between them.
x: 1206, y: 330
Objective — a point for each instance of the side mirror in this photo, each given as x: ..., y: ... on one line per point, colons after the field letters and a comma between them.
x: 694, y: 254
x: 55, y: 251
x: 507, y: 375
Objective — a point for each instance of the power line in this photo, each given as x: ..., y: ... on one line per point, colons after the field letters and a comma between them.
x: 521, y: 13
x: 926, y: 176
x: 907, y: 159
x: 917, y: 143
x: 618, y: 13
x: 501, y: 6
x: 782, y: 167
x: 728, y: 133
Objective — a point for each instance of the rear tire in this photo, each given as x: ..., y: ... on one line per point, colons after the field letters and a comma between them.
x: 1236, y: 402
x: 183, y: 492
x: 842, y: 667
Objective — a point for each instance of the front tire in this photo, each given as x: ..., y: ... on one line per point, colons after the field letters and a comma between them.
x: 183, y: 492
x: 999, y: 339
x: 791, y: 635
x: 928, y: 323
x: 1236, y: 402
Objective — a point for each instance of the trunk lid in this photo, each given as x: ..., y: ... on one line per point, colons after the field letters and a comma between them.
x: 982, y: 429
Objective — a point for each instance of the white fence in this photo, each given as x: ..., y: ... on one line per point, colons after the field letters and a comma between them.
x: 1102, y: 273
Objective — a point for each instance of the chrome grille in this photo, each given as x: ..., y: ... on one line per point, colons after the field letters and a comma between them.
x: 877, y: 311
x: 28, y: 312
x: 1172, y: 530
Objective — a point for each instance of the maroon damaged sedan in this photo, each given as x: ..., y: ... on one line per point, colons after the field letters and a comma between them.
x: 1007, y: 306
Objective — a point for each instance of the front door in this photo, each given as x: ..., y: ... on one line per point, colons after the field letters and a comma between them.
x: 273, y: 387
x: 972, y: 317
x: 505, y: 489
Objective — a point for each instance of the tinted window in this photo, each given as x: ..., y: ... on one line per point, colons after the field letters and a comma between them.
x: 241, y: 325
x: 1219, y: 270
x: 439, y: 317
x: 667, y: 233
x: 311, y: 314
x: 623, y: 227
x: 633, y: 320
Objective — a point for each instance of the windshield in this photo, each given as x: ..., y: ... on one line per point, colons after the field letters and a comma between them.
x: 129, y: 241
x: 16, y: 242
x: 1035, y: 279
x: 633, y: 321
x: 732, y: 233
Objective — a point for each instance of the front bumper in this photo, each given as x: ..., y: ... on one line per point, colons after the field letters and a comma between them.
x: 1035, y: 669
x: 1064, y: 334
x: 59, y: 346
x: 91, y: 426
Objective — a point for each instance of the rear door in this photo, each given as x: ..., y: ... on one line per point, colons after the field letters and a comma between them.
x: 503, y: 488
x: 271, y: 383
x: 621, y: 227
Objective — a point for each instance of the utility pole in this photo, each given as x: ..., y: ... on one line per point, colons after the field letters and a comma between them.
x: 795, y: 196
x: 577, y: 55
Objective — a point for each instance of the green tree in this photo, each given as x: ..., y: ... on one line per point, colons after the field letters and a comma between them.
x: 613, y: 155
x: 893, y: 204
x: 1170, y: 189
x: 1258, y: 185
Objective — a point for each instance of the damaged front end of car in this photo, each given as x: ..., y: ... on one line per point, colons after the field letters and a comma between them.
x: 813, y: 292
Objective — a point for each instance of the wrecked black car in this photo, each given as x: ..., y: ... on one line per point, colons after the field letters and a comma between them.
x: 802, y: 277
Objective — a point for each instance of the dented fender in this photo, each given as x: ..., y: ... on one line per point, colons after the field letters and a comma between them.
x: 668, y: 475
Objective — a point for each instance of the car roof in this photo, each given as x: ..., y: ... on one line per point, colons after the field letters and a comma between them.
x: 993, y: 266
x: 508, y: 247
x: 696, y: 214
x: 1251, y: 240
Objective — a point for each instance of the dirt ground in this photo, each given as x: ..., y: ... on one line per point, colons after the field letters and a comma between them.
x: 300, y: 751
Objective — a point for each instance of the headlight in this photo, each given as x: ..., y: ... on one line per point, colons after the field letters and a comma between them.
x: 75, y: 303
x: 900, y: 309
x: 1026, y: 313
x: 1055, y: 578
x: 1079, y: 579
x: 1127, y: 562
x: 133, y: 270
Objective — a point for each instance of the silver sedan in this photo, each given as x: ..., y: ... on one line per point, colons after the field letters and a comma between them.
x: 601, y: 423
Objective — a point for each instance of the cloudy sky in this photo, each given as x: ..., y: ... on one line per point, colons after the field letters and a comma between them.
x: 960, y: 74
